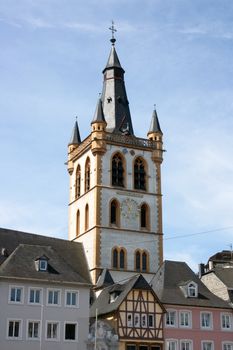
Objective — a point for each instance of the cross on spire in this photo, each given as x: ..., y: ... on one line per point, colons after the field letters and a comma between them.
x: 113, y: 30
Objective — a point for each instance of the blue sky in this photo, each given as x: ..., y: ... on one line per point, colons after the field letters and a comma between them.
x: 177, y: 54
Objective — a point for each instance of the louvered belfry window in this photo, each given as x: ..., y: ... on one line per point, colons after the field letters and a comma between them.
x: 78, y: 182
x: 139, y: 175
x: 117, y: 171
x: 87, y: 175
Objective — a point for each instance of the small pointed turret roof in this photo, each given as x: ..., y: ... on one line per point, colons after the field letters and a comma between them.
x: 99, y: 114
x: 75, y: 136
x: 154, y: 125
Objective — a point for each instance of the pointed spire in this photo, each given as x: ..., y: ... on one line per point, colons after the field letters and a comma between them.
x: 113, y: 60
x: 154, y: 125
x: 99, y: 114
x: 114, y: 98
x: 75, y: 136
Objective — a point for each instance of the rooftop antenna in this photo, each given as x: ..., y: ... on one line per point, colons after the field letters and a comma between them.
x: 113, y: 30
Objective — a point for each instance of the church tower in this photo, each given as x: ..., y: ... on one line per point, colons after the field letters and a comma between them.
x: 115, y: 206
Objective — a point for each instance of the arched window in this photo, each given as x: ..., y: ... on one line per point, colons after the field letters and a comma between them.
x: 117, y: 171
x: 141, y: 261
x: 144, y: 216
x: 77, y: 223
x: 86, y: 217
x: 139, y: 174
x: 115, y: 258
x: 118, y: 258
x: 78, y: 182
x: 122, y: 259
x: 114, y: 213
x: 144, y: 261
x: 87, y: 175
x: 138, y: 261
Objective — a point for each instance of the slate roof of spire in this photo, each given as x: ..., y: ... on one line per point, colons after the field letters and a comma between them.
x: 113, y: 60
x: 154, y: 125
x: 75, y: 136
x: 114, y: 98
x: 99, y: 114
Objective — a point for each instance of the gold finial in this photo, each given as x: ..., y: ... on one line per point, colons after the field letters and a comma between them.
x: 113, y: 30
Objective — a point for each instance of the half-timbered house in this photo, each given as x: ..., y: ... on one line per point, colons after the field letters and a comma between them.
x: 135, y: 313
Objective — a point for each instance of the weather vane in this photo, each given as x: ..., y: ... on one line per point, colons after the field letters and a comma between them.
x: 113, y: 30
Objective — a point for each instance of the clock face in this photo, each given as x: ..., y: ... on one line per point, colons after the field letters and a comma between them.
x: 129, y: 208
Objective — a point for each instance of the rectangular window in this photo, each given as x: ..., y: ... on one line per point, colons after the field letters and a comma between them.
x: 171, y: 345
x: 171, y: 318
x: 33, y: 330
x: 143, y: 320
x: 130, y: 347
x: 53, y: 297
x: 227, y: 346
x: 185, y: 345
x: 129, y: 320
x: 72, y: 298
x: 207, y: 345
x: 34, y: 296
x: 226, y: 321
x: 185, y: 319
x: 52, y: 330
x: 151, y: 321
x: 71, y: 331
x: 14, y: 329
x: 16, y: 294
x: 206, y: 320
x: 136, y: 320
x: 43, y: 265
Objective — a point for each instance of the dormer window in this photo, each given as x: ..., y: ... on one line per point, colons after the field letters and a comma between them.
x: 42, y: 263
x: 114, y: 296
x: 192, y: 290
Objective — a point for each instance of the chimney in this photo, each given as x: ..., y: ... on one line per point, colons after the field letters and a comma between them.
x: 201, y: 270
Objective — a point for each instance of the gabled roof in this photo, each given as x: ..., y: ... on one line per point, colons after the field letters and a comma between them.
x: 103, y: 304
x: 104, y: 280
x: 173, y: 274
x: 67, y: 260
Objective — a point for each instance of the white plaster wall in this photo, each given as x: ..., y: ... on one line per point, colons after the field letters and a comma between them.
x: 90, y: 199
x: 120, y: 276
x: 215, y: 285
x: 130, y: 241
x: 88, y: 241
x: 131, y: 222
x: 42, y: 312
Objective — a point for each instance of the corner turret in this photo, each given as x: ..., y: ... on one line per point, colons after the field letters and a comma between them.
x: 155, y: 134
x: 75, y: 141
x: 98, y: 127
